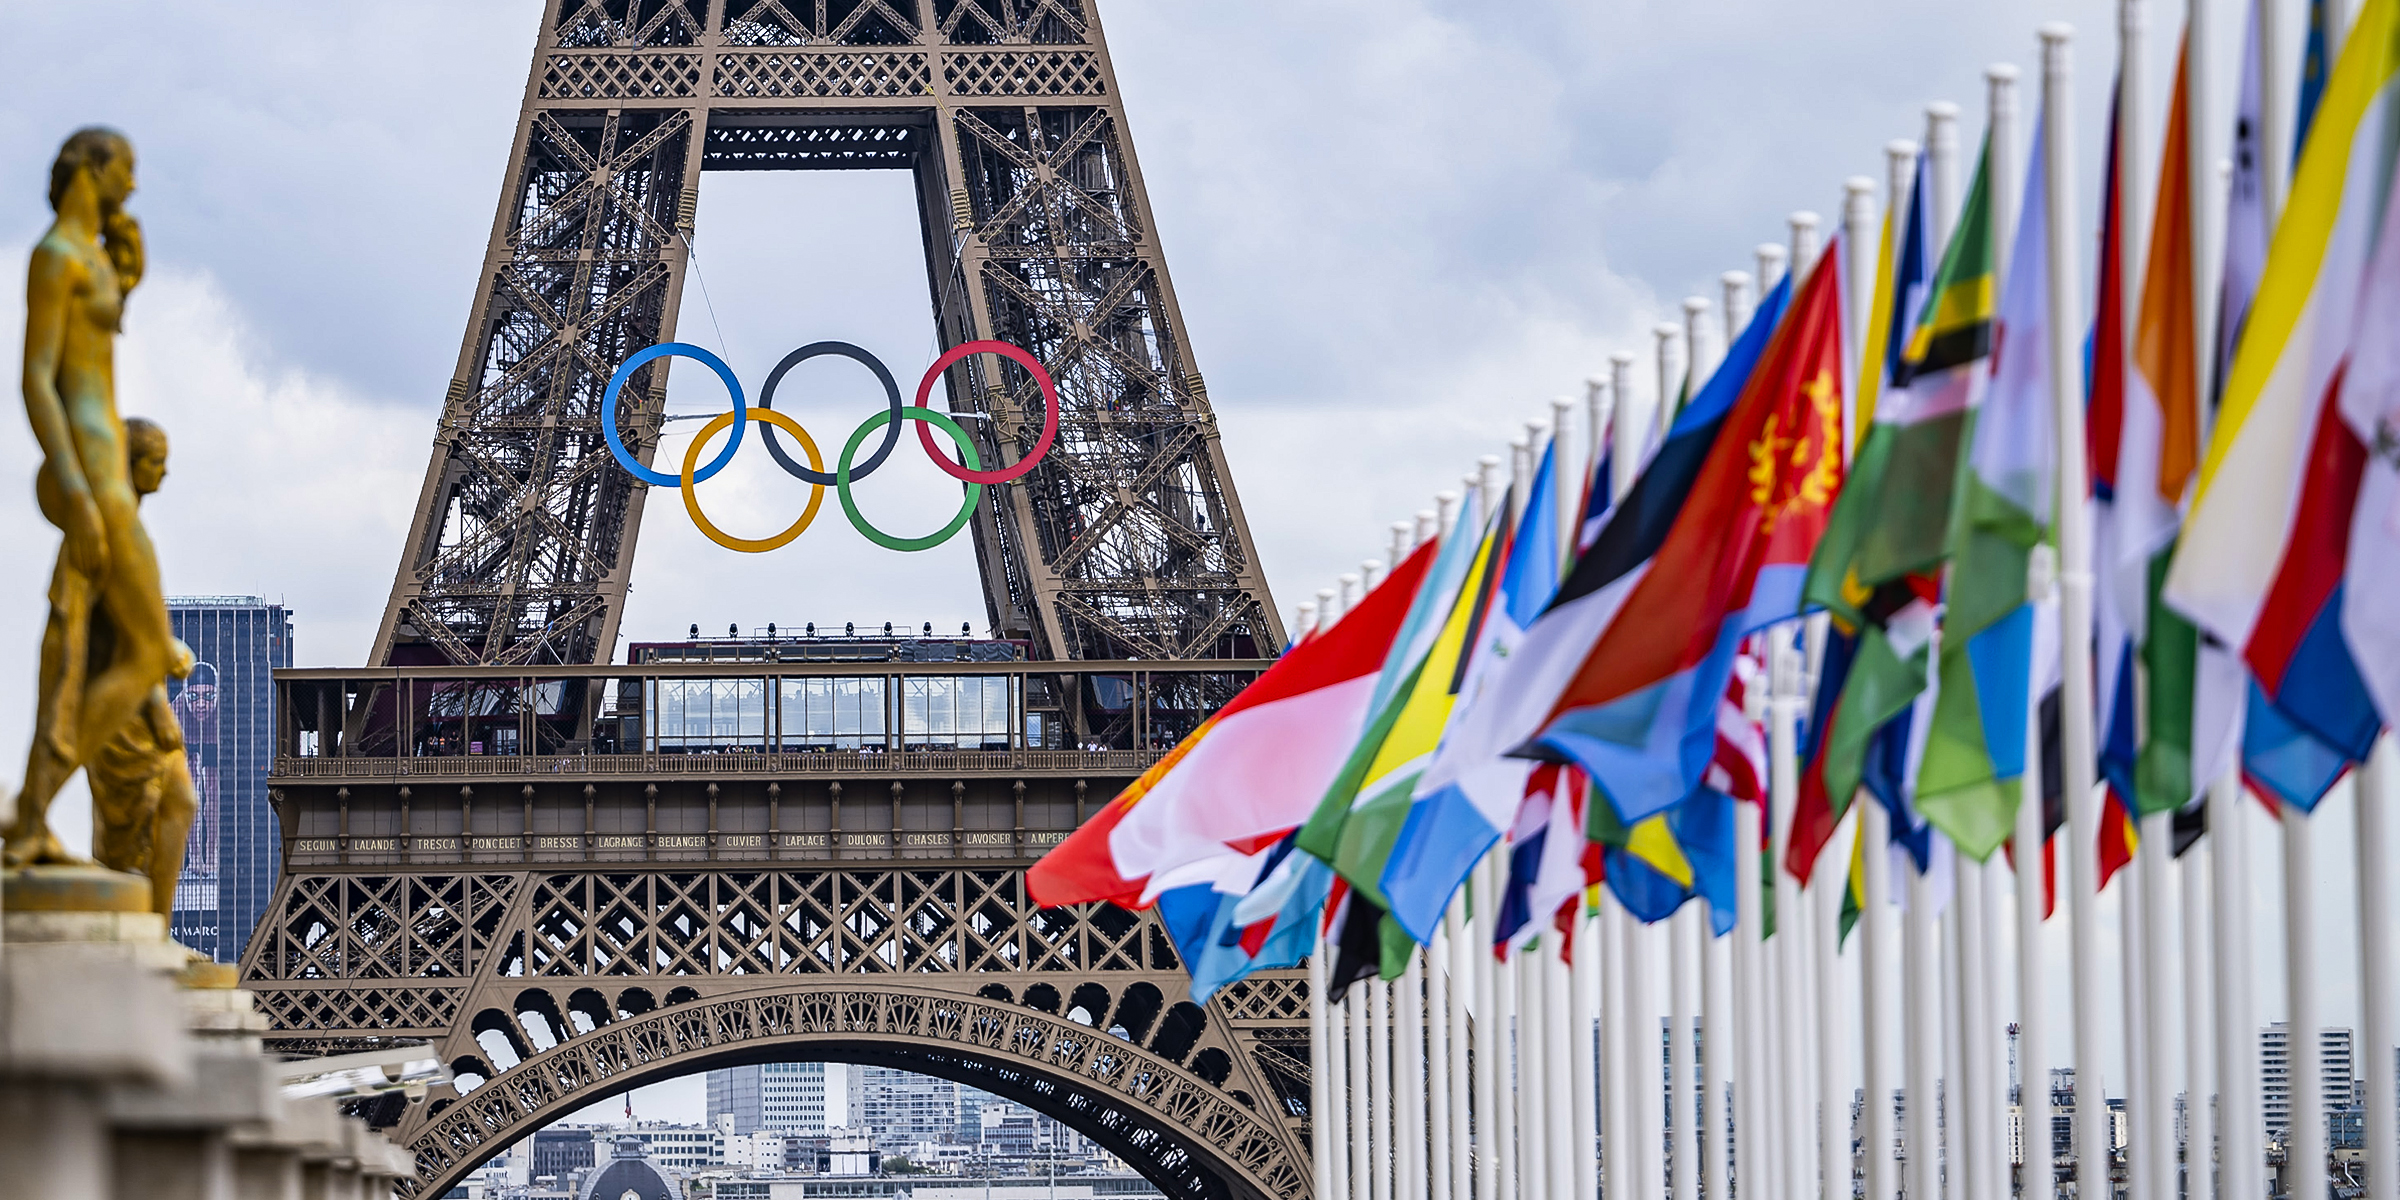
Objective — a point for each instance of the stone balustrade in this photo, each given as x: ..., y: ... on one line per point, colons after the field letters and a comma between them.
x: 128, y: 1071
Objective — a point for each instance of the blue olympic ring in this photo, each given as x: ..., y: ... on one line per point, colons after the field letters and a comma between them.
x: 616, y: 382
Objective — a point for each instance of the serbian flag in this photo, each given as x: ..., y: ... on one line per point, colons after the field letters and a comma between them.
x: 1248, y: 774
x: 2265, y: 553
x: 1640, y: 713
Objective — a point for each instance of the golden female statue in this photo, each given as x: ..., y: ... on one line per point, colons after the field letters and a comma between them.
x: 109, y: 644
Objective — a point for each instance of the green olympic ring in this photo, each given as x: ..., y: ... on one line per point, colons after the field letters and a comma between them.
x: 858, y: 520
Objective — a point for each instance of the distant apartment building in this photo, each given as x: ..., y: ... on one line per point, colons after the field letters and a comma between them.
x: 785, y: 1097
x: 227, y: 710
x: 2338, y: 1084
x: 901, y: 1108
x: 679, y: 1147
x: 562, y: 1150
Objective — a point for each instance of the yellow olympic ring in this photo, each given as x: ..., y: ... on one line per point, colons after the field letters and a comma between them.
x: 691, y: 494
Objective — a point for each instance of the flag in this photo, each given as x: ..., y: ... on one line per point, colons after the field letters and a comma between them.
x: 1874, y: 571
x: 1899, y: 300
x: 1250, y: 772
x: 2264, y: 553
x: 2370, y: 412
x: 1974, y: 763
x: 1640, y: 713
x: 2312, y: 77
x: 1854, y: 892
x: 1363, y: 811
x: 1545, y: 855
x: 1471, y: 790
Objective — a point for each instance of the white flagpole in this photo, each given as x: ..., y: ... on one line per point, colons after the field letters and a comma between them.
x: 1489, y: 1132
x: 1877, y: 934
x: 1663, y: 337
x: 1558, y: 1090
x: 1771, y: 256
x: 2242, y: 1153
x: 1412, y: 1138
x: 2075, y: 600
x: 1443, y: 999
x: 1833, y: 1048
x: 1363, y: 1174
x: 1625, y: 461
x: 1791, y: 1099
x: 1736, y: 286
x: 1584, y: 1047
x: 1621, y: 1175
x: 2374, y: 783
x: 1506, y: 1121
x: 1716, y: 1061
x: 1984, y: 1033
x: 2304, y: 1143
x: 1684, y: 1155
x: 1493, y: 1179
x: 2037, y: 1168
x: 1532, y: 1171
x: 1436, y: 1064
x: 1701, y: 357
x: 1461, y: 948
x: 2199, y: 1117
x: 1647, y: 1063
x: 1324, y: 1105
x: 1753, y: 1137
x: 1533, y: 1124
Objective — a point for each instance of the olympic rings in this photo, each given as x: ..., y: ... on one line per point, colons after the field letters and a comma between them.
x: 691, y: 493
x: 1041, y: 446
x: 966, y: 450
x: 891, y: 392
x: 608, y: 410
x: 847, y: 470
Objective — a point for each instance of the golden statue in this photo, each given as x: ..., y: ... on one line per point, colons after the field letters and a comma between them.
x: 108, y: 648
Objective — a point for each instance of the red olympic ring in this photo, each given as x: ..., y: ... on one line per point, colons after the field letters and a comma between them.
x: 1049, y: 414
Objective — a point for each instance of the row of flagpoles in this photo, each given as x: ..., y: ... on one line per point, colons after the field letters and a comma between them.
x: 1918, y: 536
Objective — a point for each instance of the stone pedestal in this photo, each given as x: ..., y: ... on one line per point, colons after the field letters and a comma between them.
x: 129, y: 1070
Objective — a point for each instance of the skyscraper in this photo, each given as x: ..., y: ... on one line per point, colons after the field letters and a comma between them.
x: 227, y: 710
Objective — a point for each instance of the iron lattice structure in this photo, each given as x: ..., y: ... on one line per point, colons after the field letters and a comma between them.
x: 551, y: 989
x: 1127, y: 541
x: 561, y: 925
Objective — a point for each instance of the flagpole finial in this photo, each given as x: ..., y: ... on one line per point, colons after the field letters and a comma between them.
x: 1770, y: 264
x: 1404, y: 538
x: 1327, y: 614
x: 1304, y: 617
x: 1429, y: 521
x: 1349, y: 582
x: 1596, y: 401
x: 1371, y: 571
x: 1804, y: 240
x: 1736, y: 285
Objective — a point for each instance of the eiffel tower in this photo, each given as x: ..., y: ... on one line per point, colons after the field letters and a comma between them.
x: 501, y: 848
x: 1126, y: 542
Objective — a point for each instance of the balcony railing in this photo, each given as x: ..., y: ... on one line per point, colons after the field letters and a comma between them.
x: 822, y: 764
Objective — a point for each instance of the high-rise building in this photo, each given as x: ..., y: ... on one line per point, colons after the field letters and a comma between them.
x: 227, y: 710
x: 785, y: 1097
x: 2338, y: 1083
x: 733, y: 1100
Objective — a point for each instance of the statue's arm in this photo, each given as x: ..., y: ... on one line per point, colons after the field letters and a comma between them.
x: 49, y: 294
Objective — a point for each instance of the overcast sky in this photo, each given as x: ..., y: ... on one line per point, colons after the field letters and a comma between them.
x: 1396, y: 229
